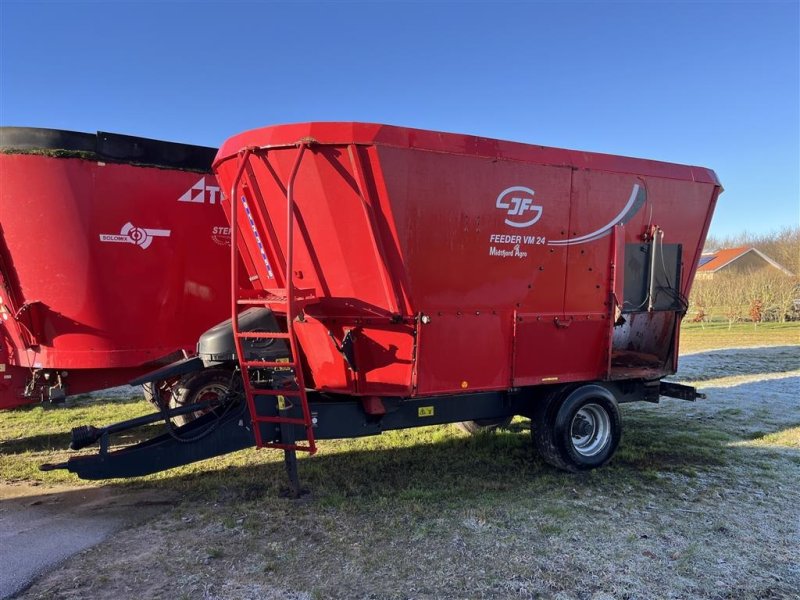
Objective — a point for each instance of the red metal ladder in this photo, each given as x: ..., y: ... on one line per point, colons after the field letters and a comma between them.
x: 286, y: 299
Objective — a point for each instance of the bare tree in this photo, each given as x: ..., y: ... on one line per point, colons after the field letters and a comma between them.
x: 782, y: 246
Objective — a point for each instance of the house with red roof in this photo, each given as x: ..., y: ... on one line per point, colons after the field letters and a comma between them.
x: 735, y: 260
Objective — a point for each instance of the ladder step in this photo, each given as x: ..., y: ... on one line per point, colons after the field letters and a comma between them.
x: 266, y: 302
x: 310, y: 448
x: 263, y: 335
x: 265, y: 392
x: 288, y: 420
x: 279, y: 296
x: 267, y: 364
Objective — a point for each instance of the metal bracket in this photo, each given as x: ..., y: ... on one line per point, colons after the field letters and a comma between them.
x: 680, y: 391
x: 346, y: 348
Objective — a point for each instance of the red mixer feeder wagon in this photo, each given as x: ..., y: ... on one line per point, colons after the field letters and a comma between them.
x: 114, y: 257
x: 399, y: 277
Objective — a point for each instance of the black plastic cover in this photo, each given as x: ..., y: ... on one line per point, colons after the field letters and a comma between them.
x: 666, y: 276
x: 177, y: 369
x: 217, y: 344
x: 108, y: 147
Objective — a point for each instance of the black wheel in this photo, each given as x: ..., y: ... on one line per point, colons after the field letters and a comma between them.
x: 202, y: 386
x: 577, y: 429
x: 479, y: 425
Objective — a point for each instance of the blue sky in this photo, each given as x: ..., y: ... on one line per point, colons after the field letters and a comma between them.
x: 714, y: 84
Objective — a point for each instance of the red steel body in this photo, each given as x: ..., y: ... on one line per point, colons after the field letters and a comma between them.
x: 106, y: 268
x: 460, y: 263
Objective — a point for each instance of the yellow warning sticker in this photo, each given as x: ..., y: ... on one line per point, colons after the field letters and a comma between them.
x: 425, y: 411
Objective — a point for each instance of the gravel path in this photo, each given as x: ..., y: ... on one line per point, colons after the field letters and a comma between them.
x: 40, y: 528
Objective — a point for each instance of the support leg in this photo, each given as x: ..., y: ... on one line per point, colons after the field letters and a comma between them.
x: 290, y: 461
x: 290, y: 456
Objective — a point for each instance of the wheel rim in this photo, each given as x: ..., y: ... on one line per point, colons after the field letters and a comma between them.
x: 212, y: 391
x: 590, y: 429
x: 207, y: 393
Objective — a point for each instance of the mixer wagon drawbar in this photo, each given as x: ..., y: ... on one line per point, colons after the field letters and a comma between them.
x: 398, y: 278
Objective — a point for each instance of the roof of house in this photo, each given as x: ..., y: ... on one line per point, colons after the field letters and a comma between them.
x: 711, y: 262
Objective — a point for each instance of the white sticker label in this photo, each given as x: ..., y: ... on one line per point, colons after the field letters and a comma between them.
x: 138, y: 236
x: 221, y: 235
x: 517, y: 201
x: 513, y: 246
x: 201, y: 192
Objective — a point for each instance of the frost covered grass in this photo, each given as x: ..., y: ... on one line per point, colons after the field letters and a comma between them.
x: 702, y: 500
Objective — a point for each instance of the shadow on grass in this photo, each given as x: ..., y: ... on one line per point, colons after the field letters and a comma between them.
x: 656, y: 440
x: 61, y: 441
x: 714, y: 364
x: 81, y: 401
x: 454, y: 470
x: 96, y: 398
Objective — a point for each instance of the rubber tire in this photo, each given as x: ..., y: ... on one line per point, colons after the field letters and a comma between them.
x: 190, y: 386
x: 479, y: 425
x: 147, y: 391
x: 551, y: 427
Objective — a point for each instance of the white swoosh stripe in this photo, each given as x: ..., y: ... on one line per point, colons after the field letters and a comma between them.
x: 603, y: 230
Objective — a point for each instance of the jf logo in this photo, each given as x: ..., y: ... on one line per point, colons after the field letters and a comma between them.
x: 517, y: 201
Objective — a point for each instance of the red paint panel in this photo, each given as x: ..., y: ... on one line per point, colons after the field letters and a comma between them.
x: 459, y: 251
x: 682, y: 210
x: 334, y: 252
x: 547, y: 351
x: 385, y: 357
x: 327, y: 370
x: 598, y: 199
x: 467, y: 352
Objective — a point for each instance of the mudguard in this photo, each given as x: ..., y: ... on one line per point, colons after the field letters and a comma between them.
x: 176, y: 369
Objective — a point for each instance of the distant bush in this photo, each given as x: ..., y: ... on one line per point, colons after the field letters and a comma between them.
x: 766, y: 295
